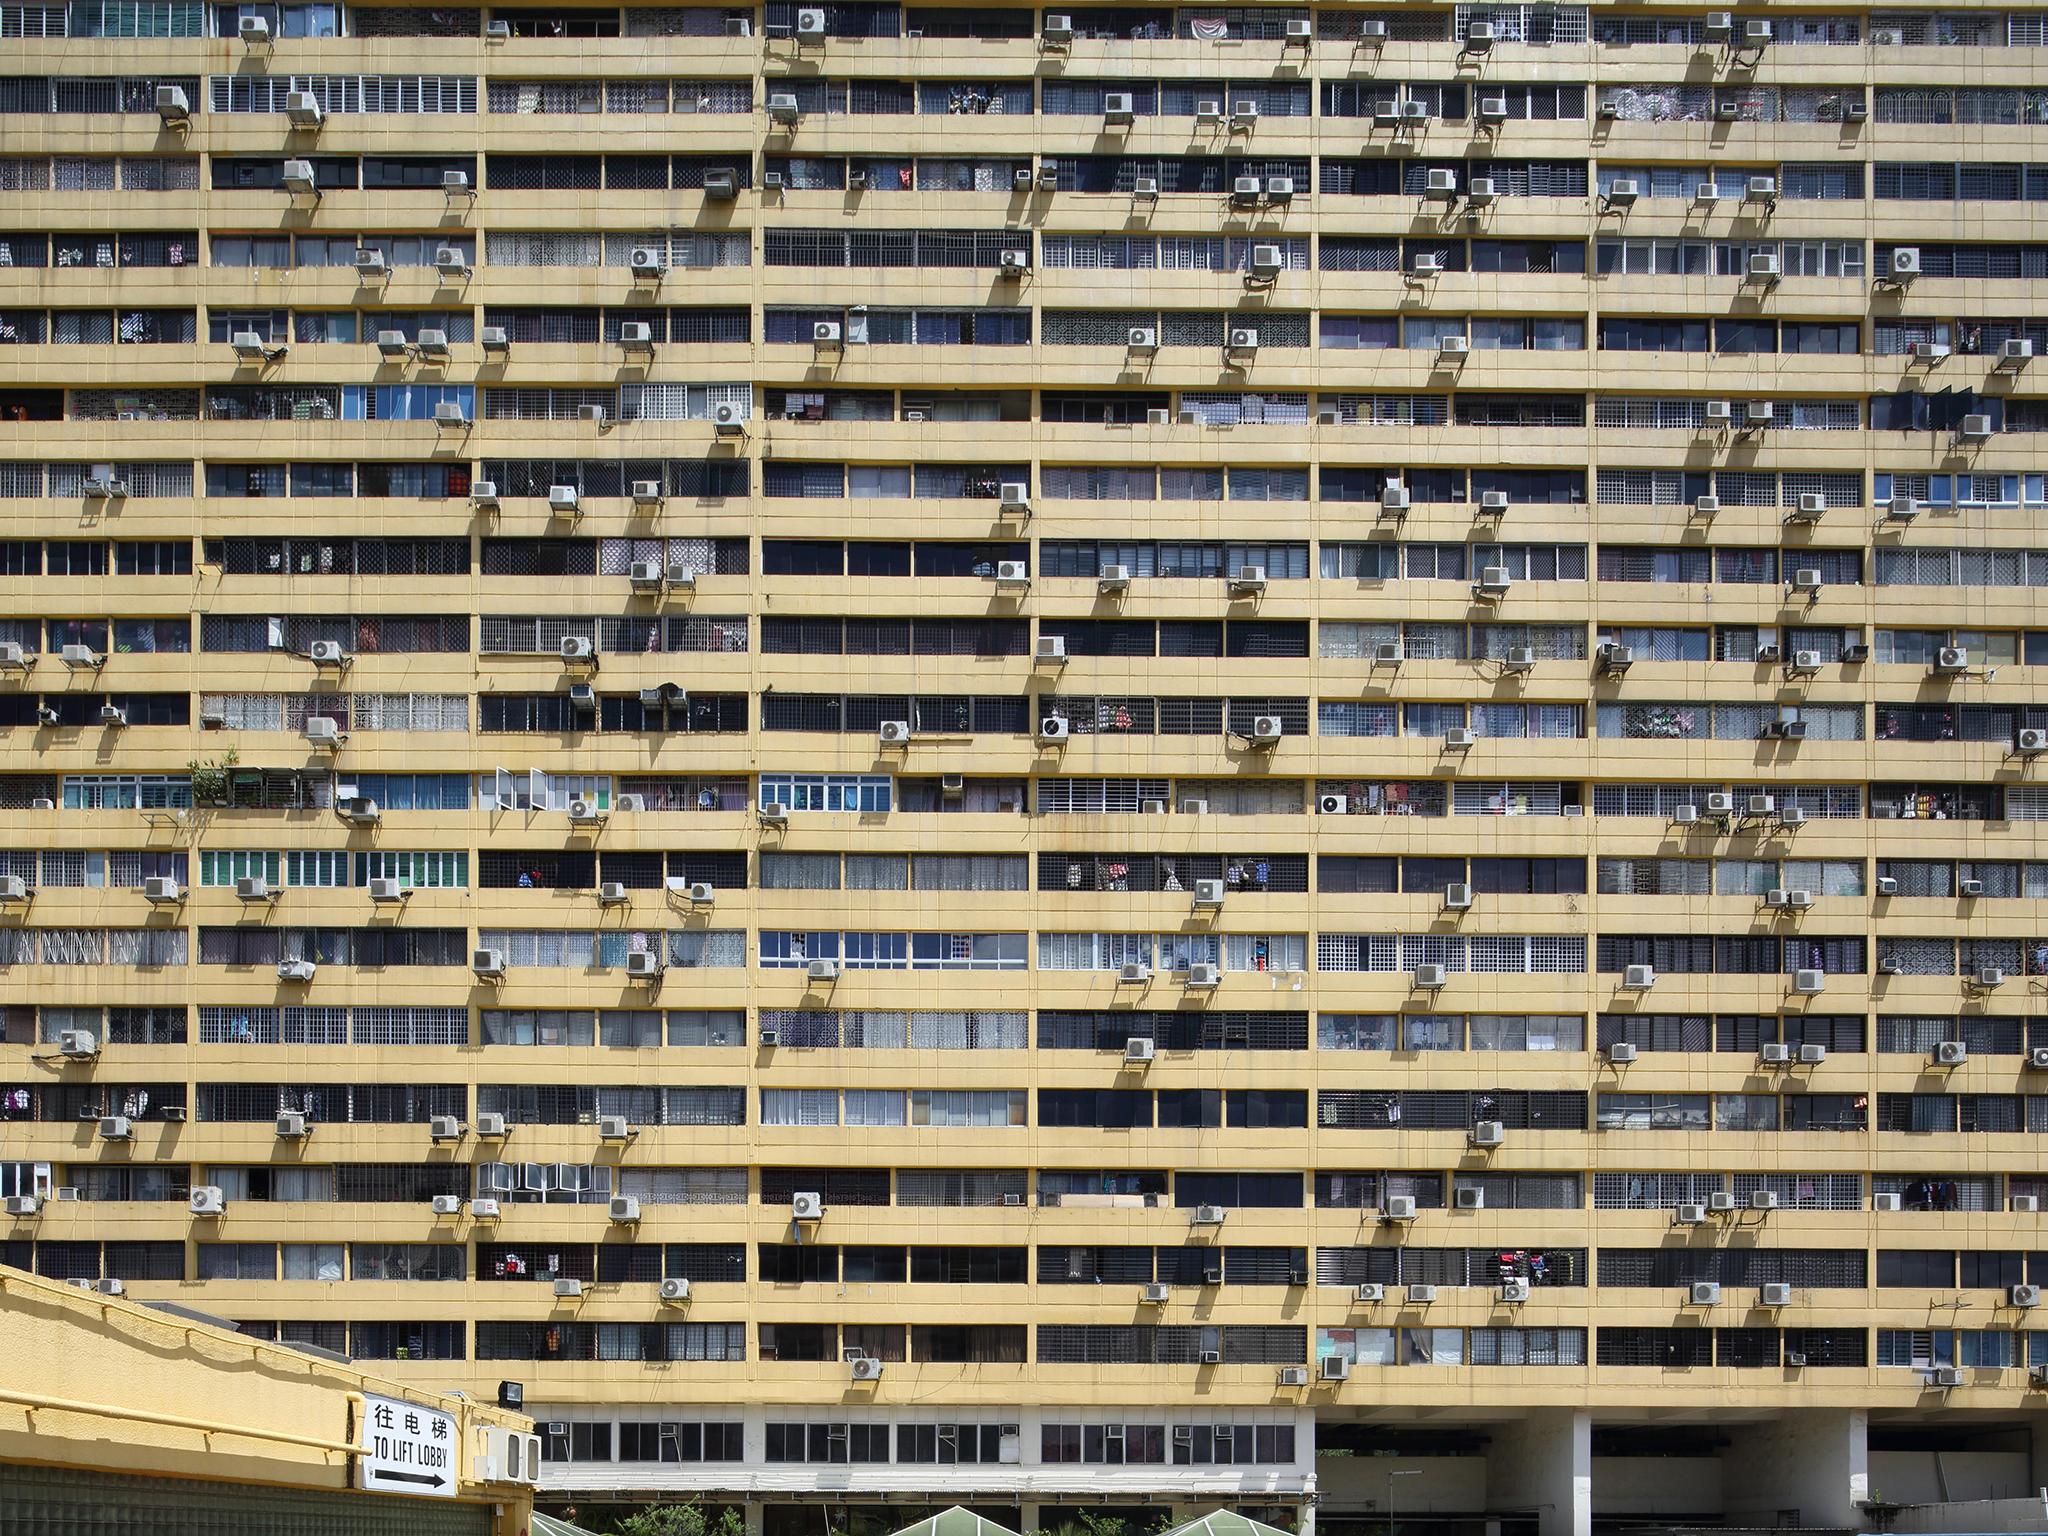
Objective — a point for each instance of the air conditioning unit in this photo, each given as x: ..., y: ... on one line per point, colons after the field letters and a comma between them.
x: 1482, y: 191
x: 116, y: 1128
x: 1639, y: 978
x: 645, y: 575
x: 1458, y: 896
x: 1430, y: 976
x: 568, y: 1288
x: 2016, y: 351
x: 1421, y: 1295
x: 161, y: 888
x: 863, y: 1368
x: 894, y: 733
x: 1334, y: 1368
x: 1267, y: 261
x: 488, y: 962
x: 1763, y: 1200
x: 1972, y: 887
x: 1208, y: 893
x: 1012, y: 573
x: 1487, y: 1133
x: 1520, y: 658
x: 1440, y: 185
x: 113, y: 714
x: 254, y: 30
x: 635, y: 336
x: 1460, y: 738
x: 1809, y: 983
x: 1975, y: 429
x: 643, y: 965
x: 1806, y: 578
x: 625, y: 1209
x: 1756, y: 33
x: 1279, y: 189
x: 825, y: 333
x: 1057, y: 28
x: 1117, y: 107
x: 1144, y: 187
x: 1203, y: 974
x: 1613, y: 657
x: 1397, y: 1208
x: 1493, y: 581
x: 302, y: 109
x: 490, y: 1125
x: 810, y: 23
x: 1368, y: 1293
x: 1133, y: 971
x: 1950, y: 1053
x: 447, y: 1205
x: 1621, y: 1053
x: 1929, y: 351
x: 1775, y: 1294
x: 1812, y: 1055
x: 21, y: 1205
x: 821, y: 970
x: 1243, y: 338
x: 2032, y: 741
x: 1886, y: 1202
x: 451, y: 261
x: 1774, y: 1053
x: 1244, y: 190
x: 1622, y: 192
x: 387, y: 888
x: 1690, y: 1214
x: 1705, y: 1293
x: 1468, y: 1197
x: 77, y: 1044
x: 1372, y: 30
x: 2026, y: 1205
x: 1142, y: 338
x: 1266, y: 730
x: 1945, y: 1376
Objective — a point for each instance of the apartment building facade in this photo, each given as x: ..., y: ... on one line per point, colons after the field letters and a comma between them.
x: 631, y: 756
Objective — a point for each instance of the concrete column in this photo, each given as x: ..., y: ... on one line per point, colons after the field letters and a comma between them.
x: 1815, y: 1461
x: 1544, y: 1462
x: 1308, y: 1518
x: 753, y: 1514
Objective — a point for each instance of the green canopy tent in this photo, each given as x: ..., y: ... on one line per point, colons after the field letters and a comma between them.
x: 956, y: 1522
x: 1225, y: 1522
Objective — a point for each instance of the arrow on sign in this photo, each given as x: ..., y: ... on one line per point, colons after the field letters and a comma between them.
x: 385, y: 1474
